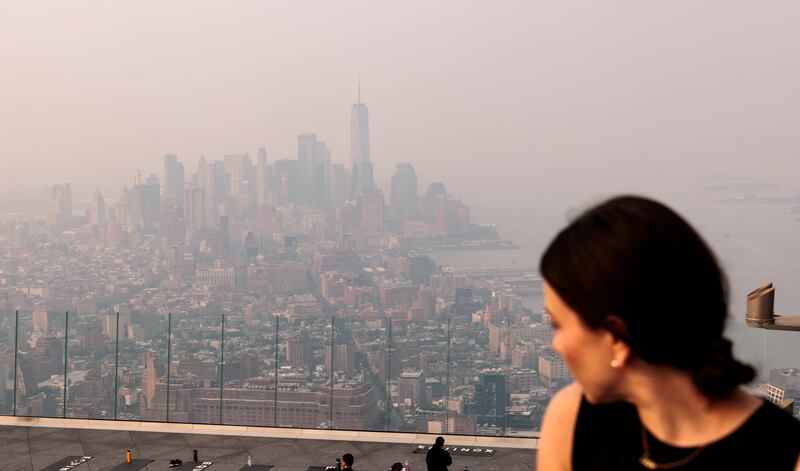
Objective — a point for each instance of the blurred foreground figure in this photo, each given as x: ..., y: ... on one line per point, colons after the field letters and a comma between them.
x: 638, y: 303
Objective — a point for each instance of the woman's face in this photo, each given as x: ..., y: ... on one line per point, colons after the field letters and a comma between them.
x: 587, y: 352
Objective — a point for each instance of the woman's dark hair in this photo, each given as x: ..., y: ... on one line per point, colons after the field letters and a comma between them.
x: 636, y: 259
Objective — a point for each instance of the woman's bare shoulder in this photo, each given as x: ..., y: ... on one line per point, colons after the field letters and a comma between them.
x: 567, y: 395
x: 555, y: 443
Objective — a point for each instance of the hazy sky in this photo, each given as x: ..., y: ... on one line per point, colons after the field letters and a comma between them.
x: 521, y: 97
x: 524, y: 108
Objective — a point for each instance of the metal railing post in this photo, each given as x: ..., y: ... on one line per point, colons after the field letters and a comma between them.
x: 221, y: 369
x: 333, y: 358
x: 66, y: 342
x: 275, y: 399
x: 116, y: 369
x: 389, y: 379
x: 169, y: 357
x: 447, y: 384
x: 16, y: 354
x: 509, y: 350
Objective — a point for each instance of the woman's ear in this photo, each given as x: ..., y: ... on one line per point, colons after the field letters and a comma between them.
x: 619, y: 333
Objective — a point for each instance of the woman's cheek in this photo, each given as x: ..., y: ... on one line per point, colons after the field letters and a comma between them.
x: 571, y: 359
x: 571, y: 348
x: 557, y: 343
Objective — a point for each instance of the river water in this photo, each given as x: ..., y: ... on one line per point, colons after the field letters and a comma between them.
x: 755, y: 242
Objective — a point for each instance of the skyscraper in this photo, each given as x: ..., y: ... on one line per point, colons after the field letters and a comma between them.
x: 206, y: 182
x: 239, y: 170
x: 144, y: 202
x: 305, y: 158
x: 262, y: 178
x: 320, y: 177
x: 202, y: 171
x: 216, y: 191
x: 412, y: 387
x: 288, y: 183
x: 225, y: 234
x: 173, y: 179
x: 436, y: 208
x: 340, y: 185
x: 404, y: 189
x: 195, y: 208
x: 371, y: 204
x: 300, y: 352
x: 343, y: 355
x: 59, y: 205
x: 315, y: 163
x: 359, y: 148
x: 491, y: 393
x: 98, y: 209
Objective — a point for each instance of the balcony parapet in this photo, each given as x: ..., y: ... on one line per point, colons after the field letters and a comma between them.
x: 272, y: 432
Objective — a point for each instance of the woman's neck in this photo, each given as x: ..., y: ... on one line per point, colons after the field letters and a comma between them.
x: 673, y: 410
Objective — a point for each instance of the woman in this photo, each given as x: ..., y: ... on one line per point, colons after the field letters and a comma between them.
x: 638, y: 304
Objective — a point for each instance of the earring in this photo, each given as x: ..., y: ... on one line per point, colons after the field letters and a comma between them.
x: 615, y: 363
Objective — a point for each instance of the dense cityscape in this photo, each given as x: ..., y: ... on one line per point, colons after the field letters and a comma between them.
x: 286, y: 293
x: 442, y: 236
x: 275, y: 294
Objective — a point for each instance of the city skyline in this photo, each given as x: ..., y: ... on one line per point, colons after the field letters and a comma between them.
x: 264, y: 244
x: 91, y: 93
x: 331, y: 216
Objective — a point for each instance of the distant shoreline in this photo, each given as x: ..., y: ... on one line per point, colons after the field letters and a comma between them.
x: 468, y: 246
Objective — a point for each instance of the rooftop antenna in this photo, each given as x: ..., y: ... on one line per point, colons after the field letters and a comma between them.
x: 359, y: 89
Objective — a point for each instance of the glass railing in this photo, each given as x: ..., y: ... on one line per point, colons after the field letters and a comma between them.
x: 470, y: 374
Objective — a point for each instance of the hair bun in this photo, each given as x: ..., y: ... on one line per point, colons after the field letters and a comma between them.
x: 720, y: 373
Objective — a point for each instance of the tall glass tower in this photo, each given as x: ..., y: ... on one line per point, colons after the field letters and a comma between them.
x: 359, y: 148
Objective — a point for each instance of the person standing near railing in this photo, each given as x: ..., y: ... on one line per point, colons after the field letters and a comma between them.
x: 438, y: 459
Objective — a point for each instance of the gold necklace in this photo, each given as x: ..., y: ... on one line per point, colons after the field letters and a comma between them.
x: 648, y: 463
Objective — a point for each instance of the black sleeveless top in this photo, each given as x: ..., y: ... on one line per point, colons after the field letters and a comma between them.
x: 609, y: 436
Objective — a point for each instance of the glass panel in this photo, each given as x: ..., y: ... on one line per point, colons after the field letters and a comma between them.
x: 195, y: 391
x: 7, y: 333
x: 359, y: 363
x: 249, y: 361
x: 40, y: 382
x: 142, y: 367
x: 495, y: 342
x: 332, y: 362
x: 386, y: 375
x: 357, y: 389
x: 776, y: 357
x: 91, y: 366
x: 281, y: 350
x: 485, y: 370
x: 418, y: 375
x: 303, y: 376
x: 751, y: 257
